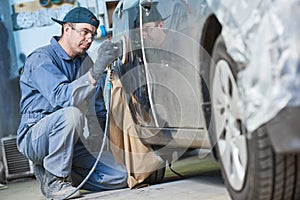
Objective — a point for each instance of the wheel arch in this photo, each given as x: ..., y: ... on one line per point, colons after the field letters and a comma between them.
x: 211, y: 30
x: 209, y: 34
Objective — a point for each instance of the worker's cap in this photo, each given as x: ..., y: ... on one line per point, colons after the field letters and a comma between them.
x: 79, y: 15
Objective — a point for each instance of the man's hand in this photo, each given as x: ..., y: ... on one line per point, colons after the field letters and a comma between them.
x: 107, y: 53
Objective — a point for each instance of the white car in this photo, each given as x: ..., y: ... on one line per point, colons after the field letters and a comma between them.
x: 218, y: 75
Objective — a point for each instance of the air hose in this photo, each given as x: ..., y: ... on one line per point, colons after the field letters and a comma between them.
x: 109, y: 87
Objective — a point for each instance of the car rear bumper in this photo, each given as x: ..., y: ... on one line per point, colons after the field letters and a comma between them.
x: 284, y: 130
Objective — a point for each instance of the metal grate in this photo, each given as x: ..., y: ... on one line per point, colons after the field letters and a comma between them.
x: 16, y: 164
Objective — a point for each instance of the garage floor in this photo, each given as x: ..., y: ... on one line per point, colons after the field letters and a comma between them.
x: 201, y: 179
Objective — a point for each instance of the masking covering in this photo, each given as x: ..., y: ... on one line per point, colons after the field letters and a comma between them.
x: 265, y: 36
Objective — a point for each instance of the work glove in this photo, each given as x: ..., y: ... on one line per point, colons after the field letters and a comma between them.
x: 107, y: 53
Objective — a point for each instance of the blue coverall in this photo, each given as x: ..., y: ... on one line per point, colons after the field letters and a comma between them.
x: 56, y: 100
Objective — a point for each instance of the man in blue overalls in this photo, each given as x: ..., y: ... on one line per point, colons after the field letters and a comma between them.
x: 57, y: 84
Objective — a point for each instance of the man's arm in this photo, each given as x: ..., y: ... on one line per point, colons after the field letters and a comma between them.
x: 92, y: 80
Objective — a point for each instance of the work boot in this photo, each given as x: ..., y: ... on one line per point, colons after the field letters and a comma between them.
x: 58, y: 187
x: 39, y: 172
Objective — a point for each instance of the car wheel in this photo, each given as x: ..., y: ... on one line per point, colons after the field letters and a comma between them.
x: 156, y: 176
x: 250, y: 167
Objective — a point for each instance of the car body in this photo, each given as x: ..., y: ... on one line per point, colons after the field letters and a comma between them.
x: 220, y: 75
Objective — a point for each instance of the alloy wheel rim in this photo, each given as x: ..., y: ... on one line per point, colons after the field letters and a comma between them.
x: 231, y: 138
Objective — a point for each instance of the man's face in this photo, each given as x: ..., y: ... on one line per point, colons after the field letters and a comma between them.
x: 153, y: 32
x: 80, y: 37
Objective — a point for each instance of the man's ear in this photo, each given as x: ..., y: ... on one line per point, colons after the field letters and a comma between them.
x: 67, y: 28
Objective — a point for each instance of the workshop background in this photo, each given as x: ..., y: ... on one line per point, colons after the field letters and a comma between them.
x: 24, y: 26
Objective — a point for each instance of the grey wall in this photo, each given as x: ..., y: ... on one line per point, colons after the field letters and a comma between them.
x: 9, y: 86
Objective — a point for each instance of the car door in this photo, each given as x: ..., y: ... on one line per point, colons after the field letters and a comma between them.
x: 161, y: 66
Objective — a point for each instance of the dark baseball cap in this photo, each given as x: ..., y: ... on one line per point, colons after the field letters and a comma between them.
x: 79, y: 15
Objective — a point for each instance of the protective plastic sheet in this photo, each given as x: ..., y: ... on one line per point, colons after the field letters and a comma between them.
x: 265, y: 36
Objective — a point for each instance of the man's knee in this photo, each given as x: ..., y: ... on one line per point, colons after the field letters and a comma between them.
x: 73, y: 117
x: 69, y: 123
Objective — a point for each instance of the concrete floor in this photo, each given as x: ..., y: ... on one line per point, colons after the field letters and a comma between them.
x: 202, y: 181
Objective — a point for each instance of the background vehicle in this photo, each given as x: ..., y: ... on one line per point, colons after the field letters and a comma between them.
x: 226, y: 77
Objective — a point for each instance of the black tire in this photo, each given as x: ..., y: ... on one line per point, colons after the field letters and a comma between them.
x: 268, y: 175
x: 156, y: 177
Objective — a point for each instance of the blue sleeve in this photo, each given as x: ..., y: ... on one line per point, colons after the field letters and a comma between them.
x: 51, y: 82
